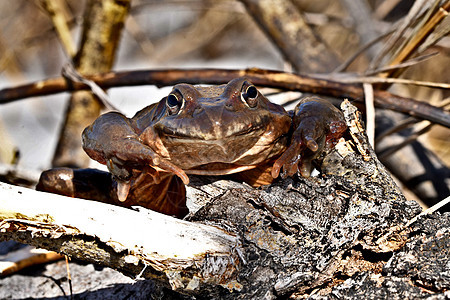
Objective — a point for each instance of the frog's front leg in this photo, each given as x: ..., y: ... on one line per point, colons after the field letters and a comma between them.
x: 114, y: 140
x: 317, y: 126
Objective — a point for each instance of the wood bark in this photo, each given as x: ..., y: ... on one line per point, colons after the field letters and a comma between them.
x: 298, y: 237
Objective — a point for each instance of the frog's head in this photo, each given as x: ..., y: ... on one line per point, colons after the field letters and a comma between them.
x: 228, y: 123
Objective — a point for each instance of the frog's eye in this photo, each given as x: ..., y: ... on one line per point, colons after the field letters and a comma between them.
x: 250, y: 95
x: 174, y: 102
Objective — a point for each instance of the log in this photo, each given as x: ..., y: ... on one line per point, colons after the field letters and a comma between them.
x: 340, y: 233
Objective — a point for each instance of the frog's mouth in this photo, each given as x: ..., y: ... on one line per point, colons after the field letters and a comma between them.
x: 210, y: 132
x: 176, y: 133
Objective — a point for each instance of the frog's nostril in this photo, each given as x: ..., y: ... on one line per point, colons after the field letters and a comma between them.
x: 198, y: 110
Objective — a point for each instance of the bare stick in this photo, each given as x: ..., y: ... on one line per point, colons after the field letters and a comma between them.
x: 268, y: 78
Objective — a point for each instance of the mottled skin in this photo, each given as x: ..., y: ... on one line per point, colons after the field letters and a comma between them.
x: 214, y: 130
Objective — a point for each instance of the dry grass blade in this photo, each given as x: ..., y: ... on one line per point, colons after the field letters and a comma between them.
x: 374, y: 80
x: 405, y: 124
x: 370, y: 112
x: 418, y: 38
x: 385, y: 8
x: 405, y: 64
x: 362, y: 16
x: 70, y: 73
x: 439, y: 32
x: 430, y: 210
x: 342, y: 67
x: 406, y: 142
x: 397, y: 36
x: 425, y: 27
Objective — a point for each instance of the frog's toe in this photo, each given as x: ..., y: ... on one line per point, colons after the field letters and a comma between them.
x: 306, y: 168
x: 312, y: 145
x: 287, y: 163
x: 123, y: 188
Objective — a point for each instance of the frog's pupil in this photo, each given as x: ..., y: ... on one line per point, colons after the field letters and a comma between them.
x: 252, y: 92
x: 172, y: 100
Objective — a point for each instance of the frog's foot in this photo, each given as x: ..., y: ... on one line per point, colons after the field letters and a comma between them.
x: 298, y: 157
x: 307, y: 145
x: 317, y: 126
x: 139, y: 156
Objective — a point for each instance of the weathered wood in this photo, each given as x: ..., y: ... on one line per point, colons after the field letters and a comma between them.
x: 298, y: 237
x: 144, y: 243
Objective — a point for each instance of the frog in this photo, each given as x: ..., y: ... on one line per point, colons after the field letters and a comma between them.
x: 230, y: 129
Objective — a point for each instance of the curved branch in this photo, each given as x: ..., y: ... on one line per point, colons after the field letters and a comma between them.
x: 269, y: 78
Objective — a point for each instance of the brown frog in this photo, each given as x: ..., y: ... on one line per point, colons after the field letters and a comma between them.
x: 205, y: 130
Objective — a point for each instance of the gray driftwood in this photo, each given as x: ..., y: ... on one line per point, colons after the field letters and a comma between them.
x: 341, y: 234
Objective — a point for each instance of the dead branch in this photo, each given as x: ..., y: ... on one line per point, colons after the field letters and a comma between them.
x: 289, y: 31
x: 269, y: 78
x: 58, y: 14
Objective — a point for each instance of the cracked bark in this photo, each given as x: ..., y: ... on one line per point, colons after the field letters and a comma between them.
x: 337, y: 234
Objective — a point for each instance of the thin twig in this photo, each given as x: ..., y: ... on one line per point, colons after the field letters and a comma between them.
x: 406, y: 123
x: 405, y: 64
x: 403, y: 124
x: 430, y: 210
x: 404, y: 143
x: 70, y: 73
x: 342, y: 67
x: 374, y: 80
x: 69, y: 277
x: 370, y: 113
